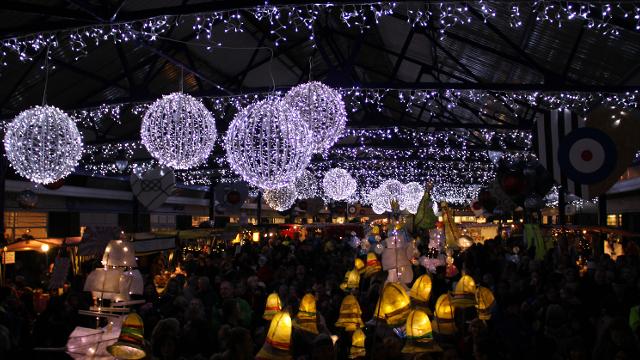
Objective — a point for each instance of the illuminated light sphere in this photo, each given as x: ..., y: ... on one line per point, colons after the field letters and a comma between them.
x: 307, y: 185
x: 338, y: 184
x: 379, y: 199
x: 281, y: 199
x: 268, y: 144
x: 411, y: 196
x: 43, y: 144
x: 378, y: 210
x: 178, y: 131
x: 394, y: 188
x: 322, y: 108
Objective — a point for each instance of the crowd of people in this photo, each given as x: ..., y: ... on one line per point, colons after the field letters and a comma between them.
x: 545, y: 309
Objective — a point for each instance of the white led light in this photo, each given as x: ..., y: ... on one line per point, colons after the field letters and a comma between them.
x: 268, y: 144
x: 307, y: 185
x: 178, y: 131
x: 280, y: 199
x: 322, y: 108
x: 338, y: 184
x: 43, y: 144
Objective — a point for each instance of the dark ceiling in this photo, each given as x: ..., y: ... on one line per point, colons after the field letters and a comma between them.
x: 489, y: 56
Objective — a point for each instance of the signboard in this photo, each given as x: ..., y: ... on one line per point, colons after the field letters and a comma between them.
x: 9, y: 257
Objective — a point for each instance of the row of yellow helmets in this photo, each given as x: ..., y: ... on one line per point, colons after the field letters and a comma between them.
x: 360, y: 268
x: 394, y: 307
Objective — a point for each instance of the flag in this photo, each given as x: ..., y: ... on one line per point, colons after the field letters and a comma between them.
x: 586, y: 156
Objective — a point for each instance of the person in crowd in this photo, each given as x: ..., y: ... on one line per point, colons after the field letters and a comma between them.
x: 546, y: 307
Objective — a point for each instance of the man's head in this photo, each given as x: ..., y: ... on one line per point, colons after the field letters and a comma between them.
x: 226, y: 290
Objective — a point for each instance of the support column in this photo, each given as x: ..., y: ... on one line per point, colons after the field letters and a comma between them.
x: 602, y: 210
x: 259, y: 208
x: 561, y: 206
x: 212, y: 203
x: 4, y: 167
x: 136, y: 214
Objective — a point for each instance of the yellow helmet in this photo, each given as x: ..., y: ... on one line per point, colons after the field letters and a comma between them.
x: 444, y: 316
x: 464, y: 294
x: 272, y: 306
x: 278, y: 341
x: 419, y: 334
x: 373, y: 265
x: 306, y: 317
x: 357, y: 344
x: 485, y: 302
x: 351, y: 280
x: 359, y: 265
x: 393, y: 305
x: 350, y: 314
x: 421, y: 289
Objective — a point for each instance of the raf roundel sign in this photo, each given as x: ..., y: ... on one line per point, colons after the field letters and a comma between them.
x: 587, y: 155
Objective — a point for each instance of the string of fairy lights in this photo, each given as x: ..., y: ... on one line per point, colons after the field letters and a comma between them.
x: 284, y: 20
x: 282, y: 134
x: 452, y: 158
x: 412, y: 101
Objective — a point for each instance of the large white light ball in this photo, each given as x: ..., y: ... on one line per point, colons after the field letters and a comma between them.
x: 43, y: 144
x: 268, y: 144
x: 178, y: 131
x: 280, y: 199
x: 338, y: 184
x: 411, y: 196
x: 307, y: 185
x: 322, y: 108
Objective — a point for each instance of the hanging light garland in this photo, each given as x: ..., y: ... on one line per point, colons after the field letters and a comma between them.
x: 307, y: 185
x: 322, y: 108
x: 338, y: 184
x: 43, y: 144
x: 281, y: 20
x: 267, y: 144
x: 178, y: 131
x: 281, y: 199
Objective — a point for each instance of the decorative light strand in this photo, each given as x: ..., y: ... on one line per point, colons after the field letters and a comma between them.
x: 281, y: 199
x: 283, y: 20
x: 267, y: 144
x: 178, y: 131
x: 43, y: 144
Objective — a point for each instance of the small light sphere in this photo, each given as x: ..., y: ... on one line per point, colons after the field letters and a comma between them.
x: 281, y: 199
x: 268, y: 144
x: 43, y: 144
x: 411, y: 196
x: 394, y: 188
x: 379, y: 199
x: 307, y: 185
x: 178, y: 131
x: 338, y: 184
x: 323, y: 109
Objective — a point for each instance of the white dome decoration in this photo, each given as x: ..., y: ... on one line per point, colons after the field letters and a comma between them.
x: 322, y: 108
x: 338, y: 184
x: 178, y: 131
x: 43, y: 144
x: 411, y: 196
x: 307, y: 185
x: 268, y: 144
x: 119, y: 253
x: 280, y: 199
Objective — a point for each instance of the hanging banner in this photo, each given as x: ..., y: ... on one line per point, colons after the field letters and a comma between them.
x: 587, y: 155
